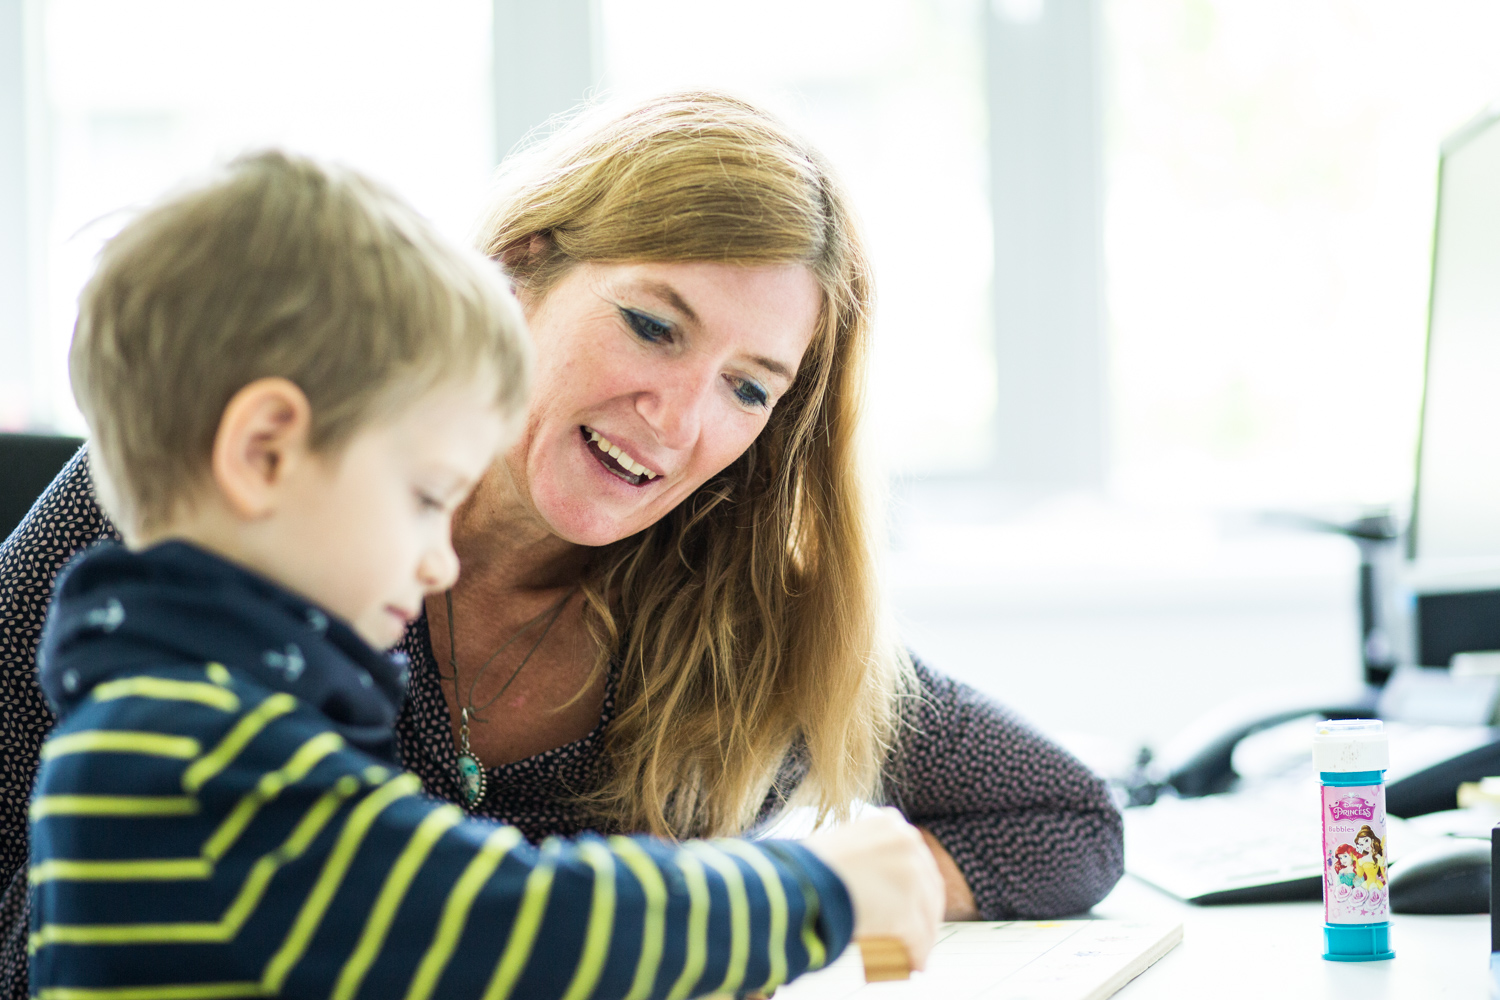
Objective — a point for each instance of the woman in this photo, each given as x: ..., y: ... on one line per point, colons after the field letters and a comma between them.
x: 668, y: 618
x: 1371, y: 863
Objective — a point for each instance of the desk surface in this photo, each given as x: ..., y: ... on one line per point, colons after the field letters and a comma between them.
x: 1276, y: 951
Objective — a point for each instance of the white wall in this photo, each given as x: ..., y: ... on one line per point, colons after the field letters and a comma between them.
x: 18, y: 197
x: 1122, y: 625
x: 1046, y: 192
x: 545, y: 63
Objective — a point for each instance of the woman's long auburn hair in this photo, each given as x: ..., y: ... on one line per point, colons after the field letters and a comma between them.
x: 747, y: 624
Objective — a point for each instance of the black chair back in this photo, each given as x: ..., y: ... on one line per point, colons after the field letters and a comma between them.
x: 28, y: 462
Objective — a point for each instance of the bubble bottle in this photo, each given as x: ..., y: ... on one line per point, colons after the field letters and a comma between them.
x: 1352, y: 756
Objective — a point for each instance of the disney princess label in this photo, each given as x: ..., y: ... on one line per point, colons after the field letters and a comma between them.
x: 1354, y: 850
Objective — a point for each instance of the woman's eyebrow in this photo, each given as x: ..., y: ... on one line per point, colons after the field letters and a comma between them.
x: 668, y: 294
x: 773, y: 366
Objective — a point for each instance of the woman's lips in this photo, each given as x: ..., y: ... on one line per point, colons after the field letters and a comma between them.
x: 600, y: 448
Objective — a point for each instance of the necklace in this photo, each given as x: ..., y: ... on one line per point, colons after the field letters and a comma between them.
x: 470, y: 769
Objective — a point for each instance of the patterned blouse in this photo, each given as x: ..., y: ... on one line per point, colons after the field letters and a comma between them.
x: 1032, y: 830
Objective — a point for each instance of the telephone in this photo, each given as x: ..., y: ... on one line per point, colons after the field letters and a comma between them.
x: 1200, y: 761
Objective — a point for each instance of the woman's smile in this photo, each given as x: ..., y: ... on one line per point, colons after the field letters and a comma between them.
x: 617, y: 460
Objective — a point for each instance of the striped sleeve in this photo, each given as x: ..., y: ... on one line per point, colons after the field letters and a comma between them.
x: 193, y: 841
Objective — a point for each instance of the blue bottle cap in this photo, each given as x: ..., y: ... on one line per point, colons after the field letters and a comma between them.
x: 1357, y: 942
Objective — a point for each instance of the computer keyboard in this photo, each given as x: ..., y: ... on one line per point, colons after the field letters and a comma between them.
x: 1257, y: 846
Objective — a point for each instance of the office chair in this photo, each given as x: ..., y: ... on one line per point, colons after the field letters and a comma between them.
x: 28, y: 462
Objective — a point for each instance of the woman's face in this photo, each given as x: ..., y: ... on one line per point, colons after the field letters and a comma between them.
x: 1364, y: 844
x: 650, y: 379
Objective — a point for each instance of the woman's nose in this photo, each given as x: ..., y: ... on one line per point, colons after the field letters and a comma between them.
x: 675, y: 407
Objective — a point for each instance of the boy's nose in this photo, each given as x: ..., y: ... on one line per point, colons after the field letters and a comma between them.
x: 439, y: 567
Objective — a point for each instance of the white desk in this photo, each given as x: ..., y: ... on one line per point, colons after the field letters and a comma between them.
x: 1275, y: 951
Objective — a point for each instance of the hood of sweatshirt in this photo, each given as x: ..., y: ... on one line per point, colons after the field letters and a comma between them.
x: 116, y: 611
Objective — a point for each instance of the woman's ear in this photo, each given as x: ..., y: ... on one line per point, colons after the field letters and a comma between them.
x: 264, y: 434
x: 517, y: 258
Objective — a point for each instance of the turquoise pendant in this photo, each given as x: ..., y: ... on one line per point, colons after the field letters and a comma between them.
x: 470, y: 770
x: 471, y: 778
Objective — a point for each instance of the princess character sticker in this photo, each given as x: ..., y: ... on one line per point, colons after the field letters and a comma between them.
x: 1371, y: 863
x: 1354, y: 853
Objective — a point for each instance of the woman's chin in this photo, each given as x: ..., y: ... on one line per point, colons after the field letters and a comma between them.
x: 587, y: 504
x: 583, y: 520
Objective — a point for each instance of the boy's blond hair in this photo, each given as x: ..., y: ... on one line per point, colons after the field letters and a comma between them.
x: 278, y: 266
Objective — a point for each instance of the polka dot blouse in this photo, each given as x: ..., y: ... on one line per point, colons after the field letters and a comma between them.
x: 1033, y: 831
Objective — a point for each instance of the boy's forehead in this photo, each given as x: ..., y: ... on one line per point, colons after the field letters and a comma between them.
x: 450, y: 427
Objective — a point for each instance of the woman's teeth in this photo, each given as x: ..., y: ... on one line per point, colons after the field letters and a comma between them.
x: 613, y: 451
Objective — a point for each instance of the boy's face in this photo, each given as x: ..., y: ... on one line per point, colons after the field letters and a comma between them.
x: 364, y: 531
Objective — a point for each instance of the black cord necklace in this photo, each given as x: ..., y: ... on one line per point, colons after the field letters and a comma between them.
x: 470, y: 769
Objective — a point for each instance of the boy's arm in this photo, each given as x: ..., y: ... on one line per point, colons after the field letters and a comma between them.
x: 468, y: 908
x: 323, y: 874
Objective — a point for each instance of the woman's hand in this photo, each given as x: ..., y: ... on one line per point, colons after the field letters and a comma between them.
x: 959, y: 898
x: 891, y: 876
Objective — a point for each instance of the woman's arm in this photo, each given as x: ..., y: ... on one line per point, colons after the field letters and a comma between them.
x: 1031, y: 831
x: 63, y: 521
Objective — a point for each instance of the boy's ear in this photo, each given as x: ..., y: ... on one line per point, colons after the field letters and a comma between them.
x: 263, y: 434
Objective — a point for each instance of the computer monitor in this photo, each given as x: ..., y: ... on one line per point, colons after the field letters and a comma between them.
x: 1456, y: 510
x: 1454, y: 535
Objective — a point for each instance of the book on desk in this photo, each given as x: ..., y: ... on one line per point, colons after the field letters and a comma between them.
x: 1008, y: 960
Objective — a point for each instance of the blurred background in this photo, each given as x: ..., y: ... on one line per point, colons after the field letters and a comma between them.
x: 1148, y: 269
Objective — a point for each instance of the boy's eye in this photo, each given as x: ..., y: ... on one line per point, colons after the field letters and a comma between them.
x: 653, y: 331
x: 751, y: 394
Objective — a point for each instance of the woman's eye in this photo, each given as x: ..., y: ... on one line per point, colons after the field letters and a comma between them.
x: 428, y: 503
x: 651, y: 330
x: 750, y: 393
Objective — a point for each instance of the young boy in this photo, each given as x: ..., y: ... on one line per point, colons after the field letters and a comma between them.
x: 290, y: 383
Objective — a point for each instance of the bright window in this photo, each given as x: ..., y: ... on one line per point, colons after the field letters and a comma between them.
x: 892, y: 93
x: 1271, y: 178
x: 142, y: 95
x: 1269, y: 173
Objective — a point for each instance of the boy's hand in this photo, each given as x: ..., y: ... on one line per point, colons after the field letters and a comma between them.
x: 892, y: 879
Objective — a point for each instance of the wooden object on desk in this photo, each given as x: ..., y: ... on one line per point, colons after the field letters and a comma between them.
x: 885, y: 959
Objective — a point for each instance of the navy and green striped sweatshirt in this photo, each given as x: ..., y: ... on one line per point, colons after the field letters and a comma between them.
x: 219, y: 814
